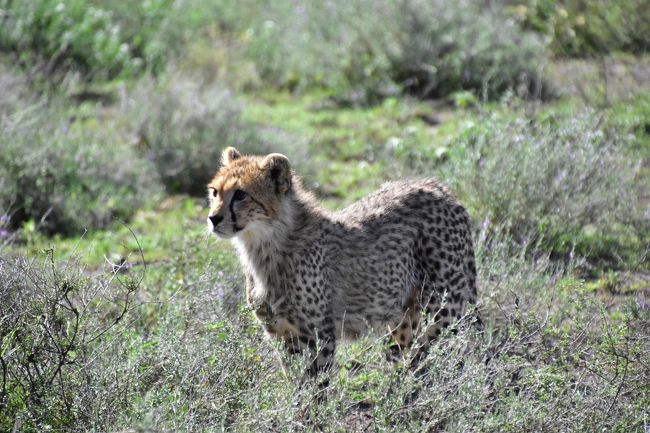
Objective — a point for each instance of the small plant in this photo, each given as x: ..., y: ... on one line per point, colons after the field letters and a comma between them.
x: 52, y: 321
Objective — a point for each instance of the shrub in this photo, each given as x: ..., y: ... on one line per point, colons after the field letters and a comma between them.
x: 465, y: 47
x: 562, y: 180
x: 77, y: 34
x: 144, y: 26
x: 16, y: 93
x: 82, y: 352
x: 369, y: 49
x: 66, y: 175
x: 52, y: 321
x: 183, y: 126
x: 585, y: 28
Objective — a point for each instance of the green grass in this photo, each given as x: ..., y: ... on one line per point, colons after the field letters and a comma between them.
x: 188, y: 357
x: 634, y: 117
x: 153, y: 237
x: 355, y: 149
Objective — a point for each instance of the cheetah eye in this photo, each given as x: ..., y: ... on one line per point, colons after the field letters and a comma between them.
x: 238, y: 195
x: 212, y: 191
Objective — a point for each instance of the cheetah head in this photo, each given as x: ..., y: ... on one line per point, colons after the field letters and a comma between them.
x: 246, y: 193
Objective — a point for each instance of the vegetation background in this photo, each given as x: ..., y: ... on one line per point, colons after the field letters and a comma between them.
x: 119, y: 313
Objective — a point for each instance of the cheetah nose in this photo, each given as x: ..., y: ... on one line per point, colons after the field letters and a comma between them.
x: 215, y: 219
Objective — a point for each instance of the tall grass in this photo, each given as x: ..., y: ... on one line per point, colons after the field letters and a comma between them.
x: 551, y: 358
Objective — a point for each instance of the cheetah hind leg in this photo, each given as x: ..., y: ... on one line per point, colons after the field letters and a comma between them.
x: 320, y: 352
x: 437, y: 319
x: 401, y: 336
x: 442, y: 317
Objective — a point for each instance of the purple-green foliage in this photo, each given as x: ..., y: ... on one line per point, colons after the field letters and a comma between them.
x: 68, y: 175
x: 565, y: 181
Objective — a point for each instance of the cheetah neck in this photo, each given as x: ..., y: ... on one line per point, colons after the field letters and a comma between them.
x: 264, y: 248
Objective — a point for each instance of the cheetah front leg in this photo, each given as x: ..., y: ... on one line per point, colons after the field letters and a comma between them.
x: 250, y: 286
x: 326, y: 345
x: 319, y: 344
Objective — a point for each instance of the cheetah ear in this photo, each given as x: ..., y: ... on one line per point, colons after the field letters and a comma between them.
x: 228, y: 155
x: 278, y: 170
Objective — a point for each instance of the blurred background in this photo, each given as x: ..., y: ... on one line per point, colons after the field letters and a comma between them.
x: 119, y: 313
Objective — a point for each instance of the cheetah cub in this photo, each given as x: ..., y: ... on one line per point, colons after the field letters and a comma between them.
x: 314, y: 277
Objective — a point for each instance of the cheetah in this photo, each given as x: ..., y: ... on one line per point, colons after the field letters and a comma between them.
x: 314, y: 277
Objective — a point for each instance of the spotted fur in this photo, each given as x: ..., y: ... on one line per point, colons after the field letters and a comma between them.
x: 314, y: 277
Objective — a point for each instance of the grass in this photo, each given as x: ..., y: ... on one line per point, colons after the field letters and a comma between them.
x: 120, y: 313
x: 189, y: 356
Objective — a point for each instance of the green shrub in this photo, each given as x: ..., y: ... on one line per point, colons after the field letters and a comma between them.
x: 369, y: 49
x: 16, y: 92
x: 66, y: 175
x: 564, y: 181
x: 587, y: 27
x: 77, y: 34
x: 183, y: 127
x: 454, y: 46
x: 82, y: 352
x: 53, y: 318
x: 144, y: 25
